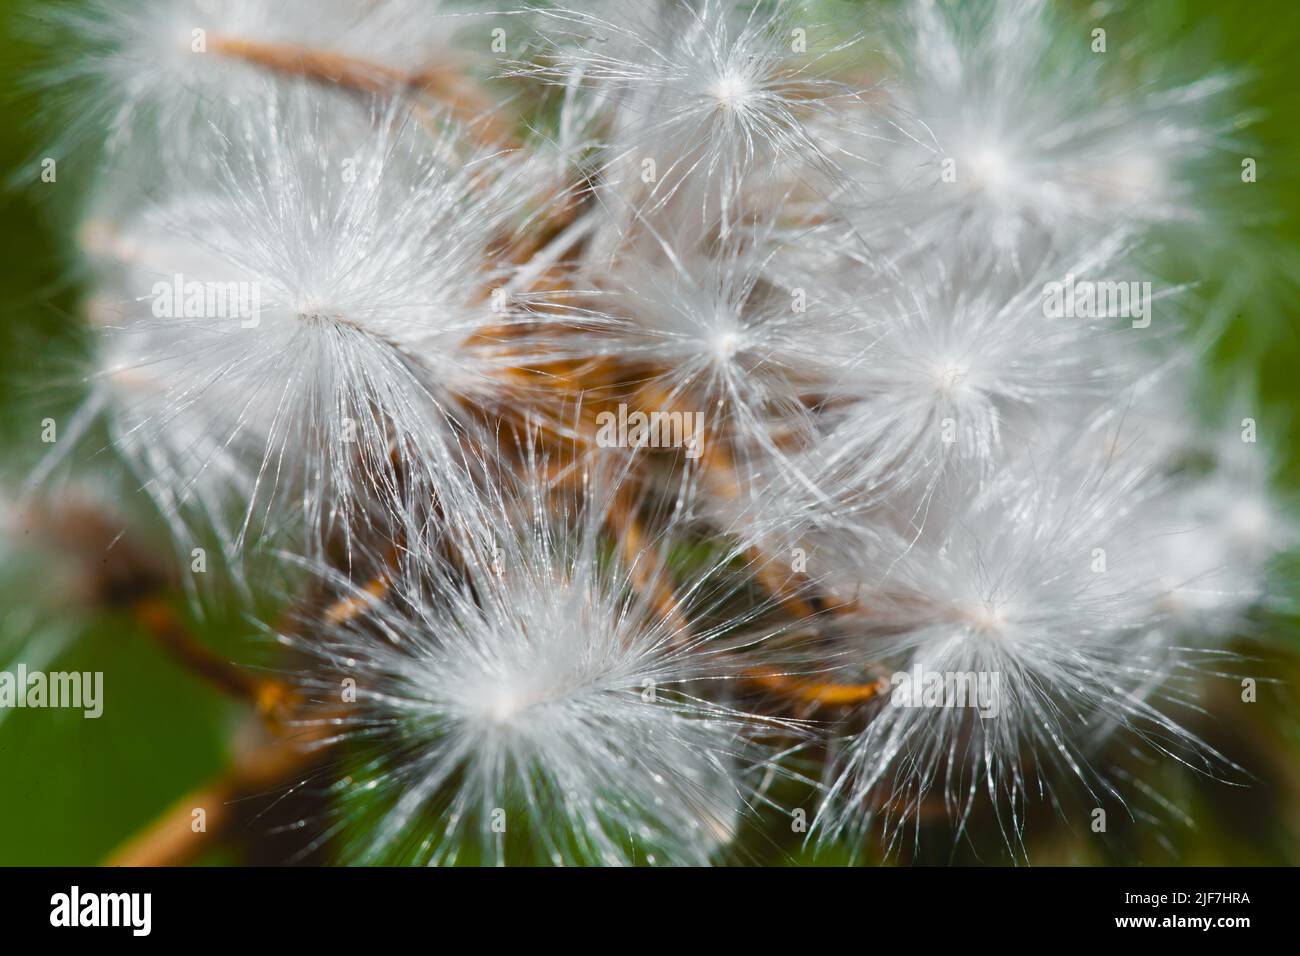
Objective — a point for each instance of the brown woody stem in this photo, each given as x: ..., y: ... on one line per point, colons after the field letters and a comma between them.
x: 452, y: 88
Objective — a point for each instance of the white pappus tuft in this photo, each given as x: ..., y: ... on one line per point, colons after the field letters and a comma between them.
x: 1041, y: 594
x: 950, y: 365
x: 1022, y: 142
x: 150, y: 75
x: 517, y: 698
x: 313, y: 308
x: 705, y: 100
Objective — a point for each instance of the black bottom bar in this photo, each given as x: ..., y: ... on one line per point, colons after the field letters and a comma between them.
x: 330, y: 906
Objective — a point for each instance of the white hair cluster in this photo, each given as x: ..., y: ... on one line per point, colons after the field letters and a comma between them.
x: 519, y: 677
x: 864, y: 305
x: 302, y: 324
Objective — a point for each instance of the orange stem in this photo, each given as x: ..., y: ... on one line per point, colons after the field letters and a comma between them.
x: 450, y: 87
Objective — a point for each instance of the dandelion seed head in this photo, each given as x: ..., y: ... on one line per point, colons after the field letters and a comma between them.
x: 543, y: 683
x: 918, y: 460
x: 1022, y: 141
x: 712, y: 90
x: 368, y: 275
x: 1008, y: 583
x: 155, y: 75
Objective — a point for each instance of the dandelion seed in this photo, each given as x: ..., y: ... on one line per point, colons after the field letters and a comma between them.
x: 369, y: 266
x: 525, y: 690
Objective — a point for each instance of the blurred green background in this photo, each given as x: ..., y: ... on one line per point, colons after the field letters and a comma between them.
x: 72, y: 789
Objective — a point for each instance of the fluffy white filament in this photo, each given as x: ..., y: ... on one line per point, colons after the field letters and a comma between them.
x: 516, y: 699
